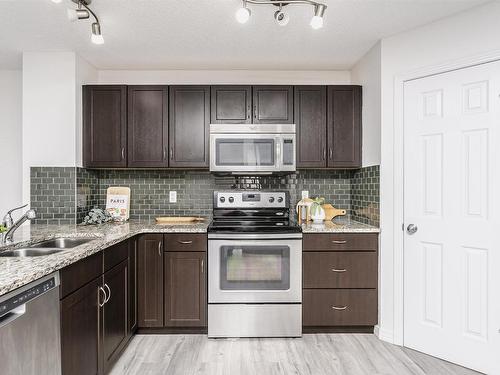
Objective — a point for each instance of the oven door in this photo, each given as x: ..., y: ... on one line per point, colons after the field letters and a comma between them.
x: 245, y: 153
x: 255, y: 270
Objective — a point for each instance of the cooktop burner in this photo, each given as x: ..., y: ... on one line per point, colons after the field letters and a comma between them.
x: 252, y: 212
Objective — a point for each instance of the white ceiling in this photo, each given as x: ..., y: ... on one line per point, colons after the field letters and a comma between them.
x: 203, y: 34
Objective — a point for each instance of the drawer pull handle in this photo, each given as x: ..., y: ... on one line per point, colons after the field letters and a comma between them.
x: 99, y: 290
x: 339, y: 308
x: 337, y: 242
x: 185, y: 242
x: 338, y: 270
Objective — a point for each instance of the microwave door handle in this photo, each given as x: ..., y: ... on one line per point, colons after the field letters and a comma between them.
x: 278, y: 153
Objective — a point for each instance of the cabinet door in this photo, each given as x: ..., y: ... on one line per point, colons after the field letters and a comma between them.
x: 150, y: 281
x: 344, y: 126
x: 80, y: 330
x: 189, y: 126
x: 104, y: 126
x: 231, y: 105
x: 147, y: 126
x: 273, y: 104
x: 310, y: 118
x: 185, y: 289
x: 132, y: 286
x: 114, y: 315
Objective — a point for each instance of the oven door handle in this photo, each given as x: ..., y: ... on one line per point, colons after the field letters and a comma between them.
x: 278, y: 152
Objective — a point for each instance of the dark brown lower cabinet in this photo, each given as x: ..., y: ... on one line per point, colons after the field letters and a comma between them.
x: 185, y: 289
x: 94, y: 317
x: 132, y: 286
x: 339, y: 307
x: 114, y: 331
x: 80, y: 337
x: 150, y: 281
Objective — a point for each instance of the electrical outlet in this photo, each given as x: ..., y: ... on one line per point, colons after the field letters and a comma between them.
x: 172, y: 197
x: 305, y: 194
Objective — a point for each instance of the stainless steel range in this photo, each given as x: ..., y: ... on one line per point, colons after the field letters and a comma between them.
x: 254, y: 266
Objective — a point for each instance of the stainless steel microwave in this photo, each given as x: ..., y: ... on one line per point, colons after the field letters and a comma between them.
x: 252, y: 148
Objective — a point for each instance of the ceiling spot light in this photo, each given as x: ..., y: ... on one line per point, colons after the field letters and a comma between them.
x: 96, y: 34
x: 281, y: 18
x: 56, y: 1
x: 243, y: 14
x: 78, y: 14
x: 317, y: 20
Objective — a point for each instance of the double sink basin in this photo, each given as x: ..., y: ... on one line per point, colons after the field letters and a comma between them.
x: 47, y: 247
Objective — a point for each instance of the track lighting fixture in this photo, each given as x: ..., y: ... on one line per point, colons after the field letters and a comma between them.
x: 282, y: 18
x: 83, y: 12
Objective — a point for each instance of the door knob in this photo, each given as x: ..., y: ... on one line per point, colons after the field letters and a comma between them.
x: 411, y: 229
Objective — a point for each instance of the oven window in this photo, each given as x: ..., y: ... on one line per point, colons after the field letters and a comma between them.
x: 255, y: 268
x: 240, y: 151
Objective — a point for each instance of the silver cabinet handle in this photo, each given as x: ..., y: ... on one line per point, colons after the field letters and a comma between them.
x: 339, y: 308
x: 99, y: 290
x: 339, y: 242
x: 171, y: 153
x: 202, y: 265
x: 338, y: 270
x: 324, y: 153
x: 331, y: 153
x: 159, y: 248
x: 109, y: 296
x: 164, y: 153
x: 185, y: 242
x: 123, y: 153
x: 411, y: 229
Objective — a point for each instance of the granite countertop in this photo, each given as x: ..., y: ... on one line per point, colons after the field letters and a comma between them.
x: 339, y: 226
x: 16, y: 272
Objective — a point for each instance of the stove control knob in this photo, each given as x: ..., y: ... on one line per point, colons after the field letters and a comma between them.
x: 271, y: 199
x: 280, y: 199
x: 222, y: 199
x: 231, y: 199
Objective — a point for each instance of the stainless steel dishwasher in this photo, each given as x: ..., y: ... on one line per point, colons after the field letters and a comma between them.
x: 30, y: 340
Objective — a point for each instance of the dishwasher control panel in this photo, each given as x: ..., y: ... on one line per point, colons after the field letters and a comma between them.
x: 26, y: 295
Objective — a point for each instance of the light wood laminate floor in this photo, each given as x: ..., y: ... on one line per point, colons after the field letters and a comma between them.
x: 314, y: 354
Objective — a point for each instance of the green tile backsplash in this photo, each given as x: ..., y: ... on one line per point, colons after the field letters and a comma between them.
x: 65, y: 195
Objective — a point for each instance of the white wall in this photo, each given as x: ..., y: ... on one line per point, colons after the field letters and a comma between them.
x: 367, y: 73
x: 10, y: 139
x: 466, y: 34
x: 207, y: 77
x: 49, y: 112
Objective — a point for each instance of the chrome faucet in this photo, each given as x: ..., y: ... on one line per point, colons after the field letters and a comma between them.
x: 12, y: 227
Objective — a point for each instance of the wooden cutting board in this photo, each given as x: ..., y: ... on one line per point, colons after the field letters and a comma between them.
x: 177, y: 219
x: 332, y: 212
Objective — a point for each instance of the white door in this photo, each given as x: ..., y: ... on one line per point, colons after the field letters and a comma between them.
x: 451, y: 193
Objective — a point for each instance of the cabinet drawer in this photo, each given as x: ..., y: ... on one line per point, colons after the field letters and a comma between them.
x: 340, y: 242
x: 115, y: 255
x: 340, y: 270
x: 339, y: 307
x: 80, y: 273
x: 185, y: 242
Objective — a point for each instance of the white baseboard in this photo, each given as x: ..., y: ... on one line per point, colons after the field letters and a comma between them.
x: 383, y: 334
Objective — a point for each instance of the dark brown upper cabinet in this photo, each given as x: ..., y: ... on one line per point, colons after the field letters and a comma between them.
x: 310, y: 118
x: 147, y: 126
x: 104, y: 126
x: 344, y: 126
x: 231, y: 105
x: 185, y: 289
x: 150, y: 281
x: 273, y: 104
x: 189, y: 120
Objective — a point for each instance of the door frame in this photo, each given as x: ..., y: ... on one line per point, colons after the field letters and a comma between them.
x: 398, y: 234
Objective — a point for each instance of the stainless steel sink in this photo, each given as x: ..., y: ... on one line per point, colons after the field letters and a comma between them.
x: 60, y: 243
x: 29, y: 252
x: 47, y: 247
